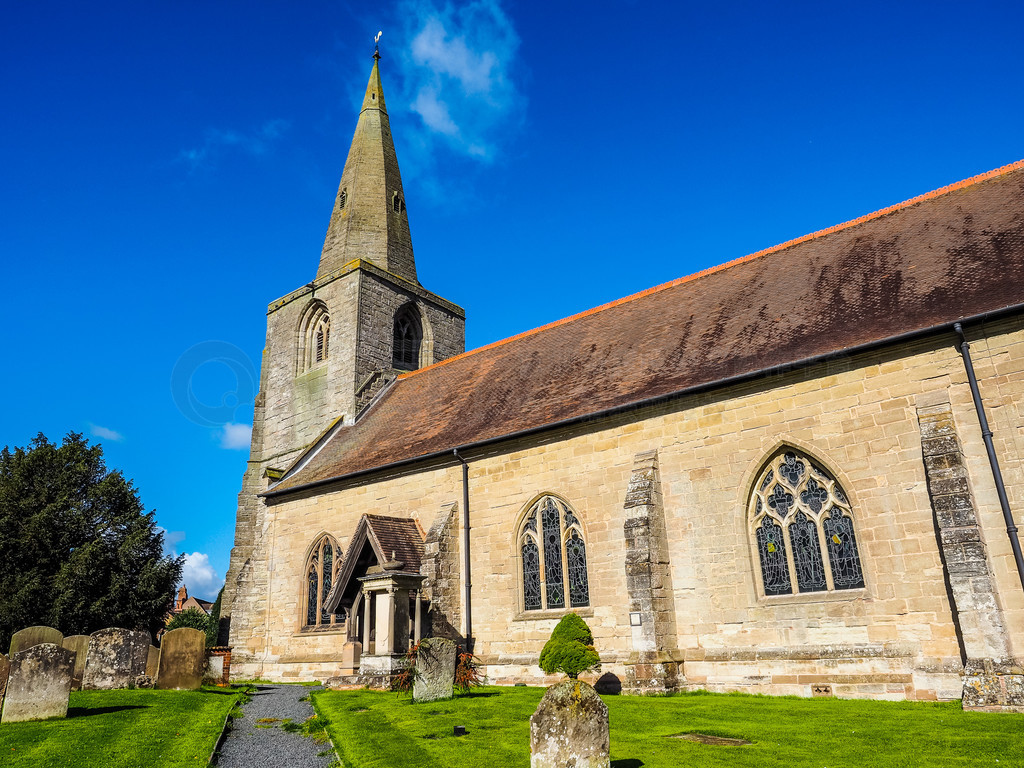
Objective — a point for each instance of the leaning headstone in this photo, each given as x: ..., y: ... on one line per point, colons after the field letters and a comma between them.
x: 78, y: 645
x: 39, y: 684
x: 570, y: 728
x: 152, y: 661
x: 5, y: 669
x: 435, y: 670
x: 24, y: 639
x: 182, y: 659
x: 116, y: 657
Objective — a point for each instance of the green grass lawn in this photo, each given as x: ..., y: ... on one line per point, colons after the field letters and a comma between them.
x: 122, y: 729
x: 384, y: 730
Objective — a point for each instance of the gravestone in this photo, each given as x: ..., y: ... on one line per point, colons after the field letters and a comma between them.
x: 24, y: 639
x: 39, y: 684
x: 570, y: 728
x: 5, y: 669
x: 182, y: 659
x: 78, y: 645
x: 152, y: 661
x: 214, y: 670
x: 116, y: 657
x: 435, y: 670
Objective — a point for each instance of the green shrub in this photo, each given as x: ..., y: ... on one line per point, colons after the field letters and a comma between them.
x: 570, y: 649
x: 190, y: 617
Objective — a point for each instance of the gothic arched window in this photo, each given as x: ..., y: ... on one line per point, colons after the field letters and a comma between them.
x: 315, y: 336
x: 407, y: 338
x: 554, y: 557
x: 321, y: 567
x: 803, y: 528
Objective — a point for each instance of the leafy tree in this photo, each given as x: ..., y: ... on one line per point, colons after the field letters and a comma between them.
x: 192, y: 618
x: 570, y: 649
x: 77, y: 549
x: 213, y: 630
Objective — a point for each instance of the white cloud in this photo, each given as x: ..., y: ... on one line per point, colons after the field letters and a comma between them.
x: 236, y: 436
x: 200, y: 577
x: 457, y: 75
x: 255, y: 142
x: 105, y: 434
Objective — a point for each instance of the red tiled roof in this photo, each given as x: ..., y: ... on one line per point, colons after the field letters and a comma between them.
x: 954, y: 253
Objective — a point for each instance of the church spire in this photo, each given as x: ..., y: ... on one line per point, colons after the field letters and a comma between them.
x: 369, y: 220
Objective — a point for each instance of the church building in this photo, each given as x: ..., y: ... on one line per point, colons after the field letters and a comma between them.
x: 795, y: 473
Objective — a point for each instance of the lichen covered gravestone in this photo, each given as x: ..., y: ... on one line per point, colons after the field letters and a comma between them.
x: 570, y: 728
x: 5, y: 669
x: 24, y: 639
x: 116, y: 657
x: 435, y: 670
x: 78, y: 645
x: 39, y: 684
x: 182, y: 659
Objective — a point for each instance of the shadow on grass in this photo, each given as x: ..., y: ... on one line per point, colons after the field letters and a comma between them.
x: 478, y: 694
x: 87, y: 711
x: 629, y: 763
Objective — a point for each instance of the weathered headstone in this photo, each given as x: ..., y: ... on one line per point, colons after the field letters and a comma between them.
x: 214, y: 670
x: 24, y: 639
x: 116, y: 657
x: 152, y: 661
x: 435, y: 670
x: 39, y: 684
x: 570, y: 728
x: 5, y: 669
x: 78, y: 645
x: 182, y: 659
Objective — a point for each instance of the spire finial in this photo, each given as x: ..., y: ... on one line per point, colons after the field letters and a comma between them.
x: 376, y: 44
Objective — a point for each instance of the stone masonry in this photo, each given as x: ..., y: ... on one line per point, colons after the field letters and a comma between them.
x: 441, y: 567
x: 992, y: 679
x: 652, y: 667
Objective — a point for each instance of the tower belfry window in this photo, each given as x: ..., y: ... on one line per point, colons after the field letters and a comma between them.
x: 396, y: 202
x: 342, y: 198
x: 407, y: 337
x: 315, y: 337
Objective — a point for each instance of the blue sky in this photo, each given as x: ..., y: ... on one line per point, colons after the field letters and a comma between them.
x: 168, y: 169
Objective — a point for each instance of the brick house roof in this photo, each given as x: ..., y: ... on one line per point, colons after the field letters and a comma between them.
x: 952, y: 254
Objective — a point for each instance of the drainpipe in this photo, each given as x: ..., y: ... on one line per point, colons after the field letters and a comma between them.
x: 986, y: 433
x: 465, y: 549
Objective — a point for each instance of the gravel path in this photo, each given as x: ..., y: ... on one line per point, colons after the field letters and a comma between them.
x: 247, y: 746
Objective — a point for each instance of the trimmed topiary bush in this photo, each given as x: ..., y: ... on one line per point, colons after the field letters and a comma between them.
x: 570, y: 649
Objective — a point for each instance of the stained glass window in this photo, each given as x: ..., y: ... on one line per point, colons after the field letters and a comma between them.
x: 321, y: 569
x: 552, y: 554
x: 842, y: 551
x: 554, y: 557
x: 531, y: 574
x: 795, y: 506
x: 772, y: 548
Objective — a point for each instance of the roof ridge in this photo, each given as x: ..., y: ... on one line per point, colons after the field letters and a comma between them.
x: 970, y: 181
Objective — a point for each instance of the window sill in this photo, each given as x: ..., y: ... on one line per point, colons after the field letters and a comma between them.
x: 835, y: 596
x: 555, y: 613
x: 318, y: 632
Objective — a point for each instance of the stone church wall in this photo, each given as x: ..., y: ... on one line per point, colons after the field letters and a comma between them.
x: 858, y: 417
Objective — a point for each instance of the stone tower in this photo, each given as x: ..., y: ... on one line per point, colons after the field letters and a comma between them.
x: 335, y: 344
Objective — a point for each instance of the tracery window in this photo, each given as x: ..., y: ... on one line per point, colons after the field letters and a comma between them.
x: 554, y: 557
x: 803, y: 528
x: 315, y: 333
x: 321, y: 568
x: 407, y: 338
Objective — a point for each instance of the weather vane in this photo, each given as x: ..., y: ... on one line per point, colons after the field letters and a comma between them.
x: 376, y: 44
